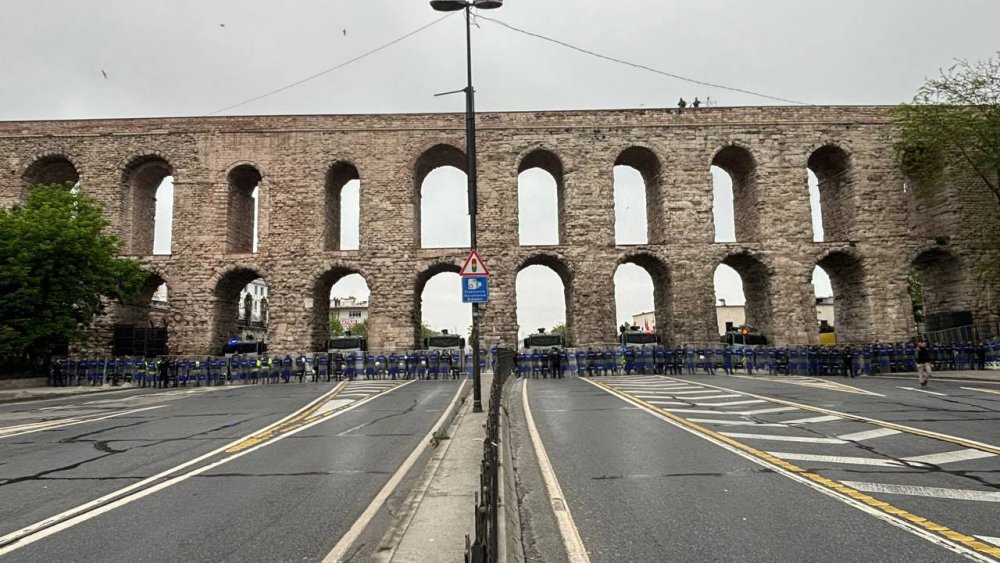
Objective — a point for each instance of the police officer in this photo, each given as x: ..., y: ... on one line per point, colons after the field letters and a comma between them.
x: 727, y: 360
x: 709, y: 360
x: 300, y: 366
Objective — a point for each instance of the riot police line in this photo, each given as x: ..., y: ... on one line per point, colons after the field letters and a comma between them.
x: 193, y: 371
x: 556, y: 362
x: 710, y: 359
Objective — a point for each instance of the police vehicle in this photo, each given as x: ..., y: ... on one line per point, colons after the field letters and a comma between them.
x: 347, y: 343
x: 445, y: 356
x: 744, y: 335
x: 635, y: 338
x: 235, y: 346
x: 543, y: 341
x: 444, y: 341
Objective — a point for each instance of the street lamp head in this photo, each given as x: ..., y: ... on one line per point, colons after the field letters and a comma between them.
x: 448, y: 5
x: 455, y: 5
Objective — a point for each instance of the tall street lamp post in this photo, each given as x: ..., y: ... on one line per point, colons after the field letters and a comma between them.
x: 470, y: 155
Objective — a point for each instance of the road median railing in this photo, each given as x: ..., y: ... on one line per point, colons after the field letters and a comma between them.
x: 484, y: 548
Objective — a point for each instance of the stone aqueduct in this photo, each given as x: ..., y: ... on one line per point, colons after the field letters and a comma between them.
x: 876, y: 230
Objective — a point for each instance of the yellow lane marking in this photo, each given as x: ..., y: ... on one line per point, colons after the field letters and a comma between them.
x: 994, y: 391
x: 882, y: 506
x: 305, y: 417
x: 813, y: 382
x: 858, y: 418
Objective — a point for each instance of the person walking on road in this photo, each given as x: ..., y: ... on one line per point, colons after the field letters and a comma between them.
x: 923, y: 363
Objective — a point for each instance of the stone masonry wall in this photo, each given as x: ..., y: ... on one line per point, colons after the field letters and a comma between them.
x: 876, y: 232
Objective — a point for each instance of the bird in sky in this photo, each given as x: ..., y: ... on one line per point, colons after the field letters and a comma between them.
x: 345, y: 32
x: 104, y: 73
x: 222, y: 25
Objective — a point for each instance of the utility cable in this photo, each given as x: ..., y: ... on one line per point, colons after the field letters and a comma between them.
x: 639, y: 66
x: 333, y: 68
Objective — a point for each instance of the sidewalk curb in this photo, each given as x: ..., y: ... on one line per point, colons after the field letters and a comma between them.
x: 511, y: 547
x: 393, y: 536
x: 49, y: 396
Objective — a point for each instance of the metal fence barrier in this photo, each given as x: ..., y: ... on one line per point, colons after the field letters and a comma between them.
x: 972, y: 333
x: 485, y: 547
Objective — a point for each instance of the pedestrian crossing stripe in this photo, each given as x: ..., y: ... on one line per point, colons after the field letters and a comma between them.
x: 812, y: 382
x: 957, y: 541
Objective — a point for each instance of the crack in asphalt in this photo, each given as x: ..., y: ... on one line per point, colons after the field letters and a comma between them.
x: 104, y: 446
x: 408, y: 410
x: 41, y: 474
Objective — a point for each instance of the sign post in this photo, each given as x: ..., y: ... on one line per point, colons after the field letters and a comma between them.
x: 475, y: 290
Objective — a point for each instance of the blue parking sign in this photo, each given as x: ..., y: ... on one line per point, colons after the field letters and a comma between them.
x: 475, y: 289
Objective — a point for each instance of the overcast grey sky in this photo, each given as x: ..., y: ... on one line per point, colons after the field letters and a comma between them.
x: 186, y: 57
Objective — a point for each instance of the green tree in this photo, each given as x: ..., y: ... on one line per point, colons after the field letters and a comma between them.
x: 57, y: 264
x: 426, y: 330
x: 360, y: 328
x: 954, y: 120
x: 559, y: 329
x: 336, y: 328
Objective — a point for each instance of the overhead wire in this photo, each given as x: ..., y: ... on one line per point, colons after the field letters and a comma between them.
x: 639, y: 66
x: 333, y: 68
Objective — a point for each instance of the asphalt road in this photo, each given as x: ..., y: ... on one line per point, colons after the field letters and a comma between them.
x: 187, y: 475
x: 764, y: 469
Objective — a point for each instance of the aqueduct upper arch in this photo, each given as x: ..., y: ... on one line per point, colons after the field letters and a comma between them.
x: 219, y: 161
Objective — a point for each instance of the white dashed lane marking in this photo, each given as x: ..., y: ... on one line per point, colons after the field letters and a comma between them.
x: 839, y: 459
x: 805, y: 439
x: 990, y: 539
x: 734, y: 422
x: 731, y: 403
x: 933, y: 492
x: 812, y: 419
x: 869, y: 434
x: 950, y: 457
x: 924, y: 391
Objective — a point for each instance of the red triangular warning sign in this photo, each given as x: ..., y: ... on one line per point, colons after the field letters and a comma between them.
x: 474, y: 266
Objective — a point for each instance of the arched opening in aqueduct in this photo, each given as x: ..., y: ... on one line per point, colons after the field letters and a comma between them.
x: 831, y: 167
x: 150, y: 307
x: 541, y: 199
x: 547, y: 279
x: 341, y: 207
x: 441, y: 207
x: 642, y: 285
x: 148, y: 205
x: 941, y: 279
x: 334, y: 287
x: 754, y: 289
x: 438, y: 302
x: 639, y: 217
x: 735, y: 202
x: 852, y: 315
x: 242, y: 209
x: 239, y: 307
x: 51, y: 169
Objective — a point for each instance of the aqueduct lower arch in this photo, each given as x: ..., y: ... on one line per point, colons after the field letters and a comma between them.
x: 876, y: 223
